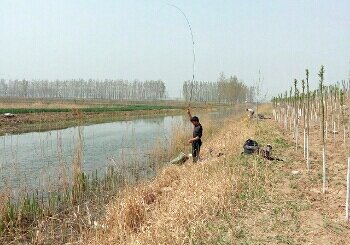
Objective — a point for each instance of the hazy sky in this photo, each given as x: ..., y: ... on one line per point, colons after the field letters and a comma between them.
x: 146, y: 39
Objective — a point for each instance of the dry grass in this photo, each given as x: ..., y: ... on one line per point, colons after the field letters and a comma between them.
x: 39, y: 104
x: 168, y: 209
x: 171, y: 210
x: 294, y: 210
x: 233, y: 199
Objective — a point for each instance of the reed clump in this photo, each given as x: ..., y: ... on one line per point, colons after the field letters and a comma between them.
x: 60, y: 213
x: 163, y: 152
x: 180, y: 199
x: 75, y: 205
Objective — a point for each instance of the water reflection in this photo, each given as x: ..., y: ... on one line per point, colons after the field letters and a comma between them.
x: 35, y: 158
x: 39, y: 159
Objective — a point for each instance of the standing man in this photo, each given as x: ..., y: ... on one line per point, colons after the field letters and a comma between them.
x: 197, y: 135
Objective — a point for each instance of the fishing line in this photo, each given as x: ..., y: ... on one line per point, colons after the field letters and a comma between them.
x: 193, y: 49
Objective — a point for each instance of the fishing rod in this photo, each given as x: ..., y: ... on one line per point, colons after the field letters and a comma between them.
x: 193, y: 49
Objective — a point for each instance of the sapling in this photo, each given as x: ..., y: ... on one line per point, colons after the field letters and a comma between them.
x: 342, y: 114
x: 316, y: 106
x: 257, y: 96
x: 303, y: 113
x: 307, y: 120
x: 296, y: 113
x: 290, y: 104
x: 325, y: 101
x: 347, y: 149
x: 321, y: 75
x: 347, y: 203
x: 286, y: 110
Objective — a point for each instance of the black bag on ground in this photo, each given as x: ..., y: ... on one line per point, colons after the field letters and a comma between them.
x: 250, y: 146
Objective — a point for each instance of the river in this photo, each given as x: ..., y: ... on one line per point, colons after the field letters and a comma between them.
x: 38, y: 160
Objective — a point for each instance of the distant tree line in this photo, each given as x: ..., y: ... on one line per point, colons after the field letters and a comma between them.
x: 224, y: 90
x: 84, y: 89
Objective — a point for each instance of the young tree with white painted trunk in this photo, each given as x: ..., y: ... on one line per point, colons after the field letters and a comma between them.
x: 296, y: 114
x: 307, y: 121
x: 322, y: 109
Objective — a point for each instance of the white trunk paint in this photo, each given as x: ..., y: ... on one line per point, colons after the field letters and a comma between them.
x: 345, y: 137
x: 334, y: 133
x: 347, y: 201
x: 307, y: 153
x: 296, y: 138
x: 324, y: 169
x: 304, y: 143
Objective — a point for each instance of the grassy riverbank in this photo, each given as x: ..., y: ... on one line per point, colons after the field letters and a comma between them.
x: 231, y: 199
x: 228, y: 198
x: 77, y: 200
x: 37, y: 115
x: 29, y: 122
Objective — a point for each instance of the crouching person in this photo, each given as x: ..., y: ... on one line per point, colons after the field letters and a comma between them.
x: 250, y: 113
x: 196, y: 137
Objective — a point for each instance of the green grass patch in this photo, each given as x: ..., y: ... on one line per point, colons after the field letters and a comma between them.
x: 92, y: 109
x: 280, y: 142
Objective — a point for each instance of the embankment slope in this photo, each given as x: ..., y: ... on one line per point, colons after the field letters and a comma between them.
x: 231, y: 199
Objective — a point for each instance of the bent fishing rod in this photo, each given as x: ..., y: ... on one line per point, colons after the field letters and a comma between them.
x: 193, y: 49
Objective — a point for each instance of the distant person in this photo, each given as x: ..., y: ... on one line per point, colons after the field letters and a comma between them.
x: 250, y: 112
x: 196, y: 137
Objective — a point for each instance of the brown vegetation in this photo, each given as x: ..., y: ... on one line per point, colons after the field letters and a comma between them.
x: 231, y: 199
x: 234, y: 198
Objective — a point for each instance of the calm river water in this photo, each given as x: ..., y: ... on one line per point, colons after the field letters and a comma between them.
x: 37, y: 159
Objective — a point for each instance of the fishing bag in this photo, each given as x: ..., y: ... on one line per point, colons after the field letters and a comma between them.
x: 250, y: 146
